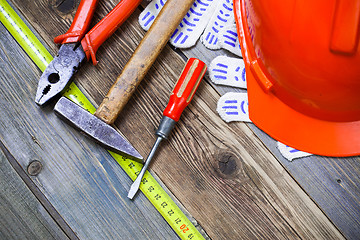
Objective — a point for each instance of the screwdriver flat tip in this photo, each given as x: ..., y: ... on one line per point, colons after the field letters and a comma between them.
x: 136, y: 184
x: 134, y: 188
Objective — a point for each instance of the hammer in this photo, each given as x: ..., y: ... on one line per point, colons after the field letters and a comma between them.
x: 98, y: 126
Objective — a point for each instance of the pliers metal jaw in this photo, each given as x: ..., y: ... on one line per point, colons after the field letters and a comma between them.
x: 79, y: 45
x: 59, y: 72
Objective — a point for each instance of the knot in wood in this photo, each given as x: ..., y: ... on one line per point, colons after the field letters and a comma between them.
x: 64, y: 6
x: 34, y: 168
x: 227, y: 163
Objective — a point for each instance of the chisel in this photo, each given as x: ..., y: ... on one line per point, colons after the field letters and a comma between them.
x: 180, y: 97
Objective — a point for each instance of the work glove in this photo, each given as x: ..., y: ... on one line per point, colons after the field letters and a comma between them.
x: 210, y: 20
x: 213, y: 22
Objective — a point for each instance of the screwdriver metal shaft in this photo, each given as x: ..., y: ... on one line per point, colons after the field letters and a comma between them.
x: 136, y: 184
x: 180, y: 97
x: 165, y: 127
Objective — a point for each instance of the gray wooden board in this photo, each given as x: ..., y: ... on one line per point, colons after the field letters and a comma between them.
x: 21, y: 215
x: 82, y: 181
x: 333, y: 183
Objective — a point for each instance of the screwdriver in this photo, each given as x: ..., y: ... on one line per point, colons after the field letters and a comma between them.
x: 180, y: 97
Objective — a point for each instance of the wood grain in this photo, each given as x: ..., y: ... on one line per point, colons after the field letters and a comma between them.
x: 21, y: 215
x: 222, y: 173
x: 80, y: 179
x: 333, y: 183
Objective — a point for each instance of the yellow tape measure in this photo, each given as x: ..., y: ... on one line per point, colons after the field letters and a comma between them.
x: 149, y: 186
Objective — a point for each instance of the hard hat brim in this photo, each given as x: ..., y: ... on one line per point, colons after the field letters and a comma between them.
x: 279, y: 120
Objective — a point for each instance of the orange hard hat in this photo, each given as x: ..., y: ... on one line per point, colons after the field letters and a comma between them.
x: 303, y: 71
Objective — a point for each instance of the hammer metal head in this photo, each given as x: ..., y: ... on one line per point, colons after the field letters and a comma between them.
x: 96, y: 128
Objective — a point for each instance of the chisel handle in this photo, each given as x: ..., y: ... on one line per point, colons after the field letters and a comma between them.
x: 185, y: 88
x: 142, y: 59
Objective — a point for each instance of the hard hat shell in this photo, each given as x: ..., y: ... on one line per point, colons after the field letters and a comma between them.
x: 303, y: 71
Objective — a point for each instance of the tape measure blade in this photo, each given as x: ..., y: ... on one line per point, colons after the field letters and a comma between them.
x: 24, y: 36
x: 172, y: 213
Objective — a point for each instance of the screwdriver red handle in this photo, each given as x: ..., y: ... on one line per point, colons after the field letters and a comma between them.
x: 185, y: 88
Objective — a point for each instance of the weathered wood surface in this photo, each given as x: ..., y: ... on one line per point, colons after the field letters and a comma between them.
x: 221, y: 173
x: 80, y: 179
x: 21, y: 215
x: 333, y: 183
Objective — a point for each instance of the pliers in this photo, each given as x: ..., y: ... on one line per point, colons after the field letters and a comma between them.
x: 79, y: 45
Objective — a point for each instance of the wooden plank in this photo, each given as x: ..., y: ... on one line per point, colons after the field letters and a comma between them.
x: 21, y: 215
x: 80, y: 179
x: 222, y: 173
x: 333, y: 183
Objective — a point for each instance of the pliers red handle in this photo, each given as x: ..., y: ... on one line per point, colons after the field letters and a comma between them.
x: 60, y: 70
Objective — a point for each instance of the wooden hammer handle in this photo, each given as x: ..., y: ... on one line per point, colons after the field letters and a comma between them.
x: 142, y: 59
